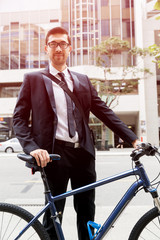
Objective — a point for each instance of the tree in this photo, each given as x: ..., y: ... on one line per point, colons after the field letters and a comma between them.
x: 104, y: 54
x: 157, y: 7
x: 154, y: 49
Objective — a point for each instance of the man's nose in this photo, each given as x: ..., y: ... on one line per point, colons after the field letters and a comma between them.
x: 58, y: 48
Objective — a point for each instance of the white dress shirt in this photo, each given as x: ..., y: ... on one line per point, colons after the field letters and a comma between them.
x: 61, y: 106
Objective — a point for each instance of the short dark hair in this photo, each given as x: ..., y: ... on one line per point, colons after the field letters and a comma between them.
x: 58, y: 30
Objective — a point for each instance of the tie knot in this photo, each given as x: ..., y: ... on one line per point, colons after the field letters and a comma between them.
x: 61, y: 74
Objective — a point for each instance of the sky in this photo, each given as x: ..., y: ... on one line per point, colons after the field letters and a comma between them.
x: 23, y: 5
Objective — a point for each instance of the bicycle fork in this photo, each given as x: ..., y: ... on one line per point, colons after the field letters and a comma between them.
x: 155, y: 196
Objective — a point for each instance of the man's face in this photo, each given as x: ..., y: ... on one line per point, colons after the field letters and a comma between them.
x: 58, y: 55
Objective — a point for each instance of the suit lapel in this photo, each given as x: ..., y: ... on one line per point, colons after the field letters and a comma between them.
x: 49, y: 88
x: 75, y: 81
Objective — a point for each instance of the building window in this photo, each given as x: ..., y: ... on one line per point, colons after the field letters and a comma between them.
x: 105, y: 28
x: 84, y: 26
x: 65, y: 25
x: 104, y: 2
x: 9, y: 90
x: 22, y: 41
x: 133, y: 31
x: 116, y: 27
x: 126, y: 3
x: 116, y: 60
x: 126, y: 28
x: 115, y: 2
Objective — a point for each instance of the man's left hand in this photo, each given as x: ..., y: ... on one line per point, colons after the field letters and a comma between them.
x: 135, y: 143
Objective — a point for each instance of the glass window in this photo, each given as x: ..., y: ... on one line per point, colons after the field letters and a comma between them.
x: 133, y: 30
x: 157, y: 36
x: 43, y: 56
x: 9, y: 91
x: 25, y: 40
x: 84, y: 26
x: 126, y: 4
x: 4, y: 56
x: 126, y: 28
x: 85, y: 57
x: 78, y: 58
x: 34, y: 46
x: 104, y: 2
x: 85, y: 42
x: 116, y: 27
x: 116, y: 60
x: 65, y: 25
x: 105, y: 28
x: 115, y: 2
x: 24, y: 46
x: 90, y: 10
x: 126, y: 59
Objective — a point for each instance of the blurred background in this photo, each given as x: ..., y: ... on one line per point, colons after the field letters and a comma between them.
x: 115, y: 42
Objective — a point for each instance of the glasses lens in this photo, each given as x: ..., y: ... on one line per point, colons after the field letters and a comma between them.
x: 63, y: 45
x: 53, y: 44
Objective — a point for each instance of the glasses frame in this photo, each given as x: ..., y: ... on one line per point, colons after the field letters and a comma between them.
x: 58, y: 44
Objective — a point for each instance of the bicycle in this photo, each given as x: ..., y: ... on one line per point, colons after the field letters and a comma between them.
x: 29, y: 227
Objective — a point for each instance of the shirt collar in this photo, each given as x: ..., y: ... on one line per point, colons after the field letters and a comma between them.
x: 54, y: 71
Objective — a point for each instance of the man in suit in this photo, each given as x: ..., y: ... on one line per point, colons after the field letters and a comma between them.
x: 45, y: 103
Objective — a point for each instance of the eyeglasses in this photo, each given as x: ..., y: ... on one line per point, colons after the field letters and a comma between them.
x: 53, y: 44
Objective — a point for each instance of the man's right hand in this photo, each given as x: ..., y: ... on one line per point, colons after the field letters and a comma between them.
x: 41, y: 156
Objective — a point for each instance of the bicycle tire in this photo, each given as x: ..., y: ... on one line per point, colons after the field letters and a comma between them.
x: 148, y: 226
x: 14, y: 218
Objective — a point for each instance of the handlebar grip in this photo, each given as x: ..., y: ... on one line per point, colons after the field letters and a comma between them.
x: 143, y: 149
x: 30, y: 159
x: 55, y: 156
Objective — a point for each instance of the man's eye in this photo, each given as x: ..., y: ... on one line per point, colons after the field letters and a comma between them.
x: 53, y: 44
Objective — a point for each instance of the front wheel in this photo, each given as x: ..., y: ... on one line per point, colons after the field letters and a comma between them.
x: 148, y: 226
x: 9, y: 150
x: 13, y: 219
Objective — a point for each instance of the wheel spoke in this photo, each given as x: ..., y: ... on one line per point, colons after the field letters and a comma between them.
x: 14, y: 219
x: 148, y: 227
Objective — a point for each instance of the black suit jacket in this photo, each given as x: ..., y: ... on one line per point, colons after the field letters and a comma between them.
x: 36, y: 103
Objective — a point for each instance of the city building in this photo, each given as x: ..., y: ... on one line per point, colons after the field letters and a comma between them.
x: 90, y: 22
x: 22, y: 35
x: 22, y: 40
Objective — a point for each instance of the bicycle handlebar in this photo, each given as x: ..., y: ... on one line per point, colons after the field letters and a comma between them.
x: 31, y: 160
x: 143, y: 149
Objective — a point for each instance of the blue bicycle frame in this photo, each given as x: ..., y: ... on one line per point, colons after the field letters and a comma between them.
x: 101, y: 230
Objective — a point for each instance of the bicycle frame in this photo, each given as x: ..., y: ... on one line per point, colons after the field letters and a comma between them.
x: 130, y: 193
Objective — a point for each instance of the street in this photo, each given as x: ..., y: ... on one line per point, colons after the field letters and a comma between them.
x: 18, y: 186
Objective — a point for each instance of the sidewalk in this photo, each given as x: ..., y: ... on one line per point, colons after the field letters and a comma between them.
x: 115, y: 152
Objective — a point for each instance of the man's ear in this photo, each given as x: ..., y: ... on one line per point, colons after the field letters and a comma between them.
x: 46, y: 49
x: 70, y: 48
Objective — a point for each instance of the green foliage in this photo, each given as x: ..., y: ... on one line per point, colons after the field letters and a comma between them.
x: 112, y: 89
x: 139, y: 51
x: 155, y: 51
x: 157, y: 5
x: 111, y: 46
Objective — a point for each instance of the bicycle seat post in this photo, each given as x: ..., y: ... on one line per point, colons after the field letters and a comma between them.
x: 45, y: 181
